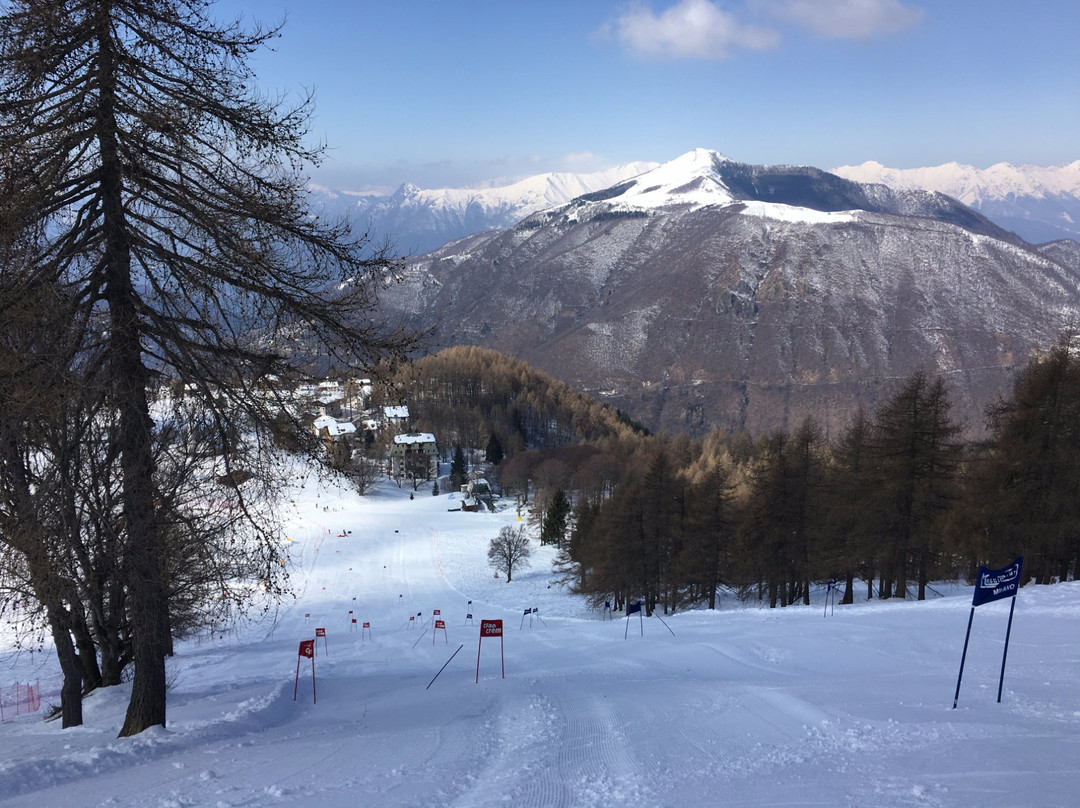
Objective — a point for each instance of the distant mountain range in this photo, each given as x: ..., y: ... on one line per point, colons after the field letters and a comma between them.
x: 419, y: 220
x: 707, y: 293
x: 1037, y: 202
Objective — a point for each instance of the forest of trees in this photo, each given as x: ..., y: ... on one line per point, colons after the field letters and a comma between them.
x: 896, y: 501
x: 481, y: 398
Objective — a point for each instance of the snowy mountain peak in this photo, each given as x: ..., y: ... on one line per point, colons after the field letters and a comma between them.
x: 406, y: 191
x: 691, y: 179
x: 704, y: 178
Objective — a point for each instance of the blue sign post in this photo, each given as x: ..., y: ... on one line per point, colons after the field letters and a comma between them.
x: 991, y: 585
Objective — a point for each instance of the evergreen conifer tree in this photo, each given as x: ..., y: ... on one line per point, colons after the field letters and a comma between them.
x: 459, y: 470
x: 553, y: 529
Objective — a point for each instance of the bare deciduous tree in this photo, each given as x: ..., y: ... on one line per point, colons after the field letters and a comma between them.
x: 509, y: 550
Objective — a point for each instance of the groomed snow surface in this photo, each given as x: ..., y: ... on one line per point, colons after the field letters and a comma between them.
x: 742, y: 706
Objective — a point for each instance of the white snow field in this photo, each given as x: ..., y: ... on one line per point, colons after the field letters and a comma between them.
x: 742, y: 706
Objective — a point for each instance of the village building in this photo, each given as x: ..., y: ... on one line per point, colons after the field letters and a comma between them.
x: 414, y: 455
x: 397, y: 415
x: 339, y: 437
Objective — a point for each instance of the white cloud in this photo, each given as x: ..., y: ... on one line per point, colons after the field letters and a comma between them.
x: 690, y: 29
x: 848, y: 19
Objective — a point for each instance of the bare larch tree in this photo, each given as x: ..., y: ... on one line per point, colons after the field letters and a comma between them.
x: 172, y: 209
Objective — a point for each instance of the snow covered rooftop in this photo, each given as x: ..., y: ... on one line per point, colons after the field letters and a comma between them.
x: 415, y: 437
x: 333, y: 427
x: 323, y: 420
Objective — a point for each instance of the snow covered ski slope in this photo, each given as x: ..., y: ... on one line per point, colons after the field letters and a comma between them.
x: 739, y: 707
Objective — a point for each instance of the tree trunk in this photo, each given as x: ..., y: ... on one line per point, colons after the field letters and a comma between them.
x: 849, y: 590
x: 143, y: 569
x: 87, y: 653
x: 71, y: 690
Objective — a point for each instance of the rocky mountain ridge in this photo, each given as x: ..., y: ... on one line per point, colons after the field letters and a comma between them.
x: 710, y: 294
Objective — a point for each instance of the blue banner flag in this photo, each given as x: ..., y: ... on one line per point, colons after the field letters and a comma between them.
x: 635, y: 607
x: 528, y: 611
x: 991, y: 585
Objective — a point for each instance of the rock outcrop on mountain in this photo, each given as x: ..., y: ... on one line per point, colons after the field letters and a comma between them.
x: 711, y: 294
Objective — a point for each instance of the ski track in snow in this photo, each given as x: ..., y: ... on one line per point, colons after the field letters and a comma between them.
x: 741, y: 707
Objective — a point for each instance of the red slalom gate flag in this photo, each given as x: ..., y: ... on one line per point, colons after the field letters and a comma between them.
x: 307, y: 649
x: 490, y: 628
x: 439, y: 624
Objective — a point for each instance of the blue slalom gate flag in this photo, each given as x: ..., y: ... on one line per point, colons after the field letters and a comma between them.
x: 634, y: 607
x: 527, y: 611
x: 991, y: 585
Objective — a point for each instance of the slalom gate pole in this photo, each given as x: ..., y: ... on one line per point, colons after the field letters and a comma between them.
x: 658, y: 617
x: 436, y: 676
x: 963, y: 656
x: 1005, y: 653
x: 422, y: 633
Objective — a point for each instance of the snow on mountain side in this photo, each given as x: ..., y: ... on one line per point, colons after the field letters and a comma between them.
x: 419, y: 220
x: 712, y: 294
x: 703, y: 178
x: 1040, y: 203
x: 973, y: 185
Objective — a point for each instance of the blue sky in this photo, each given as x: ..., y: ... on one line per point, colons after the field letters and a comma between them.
x: 446, y: 93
